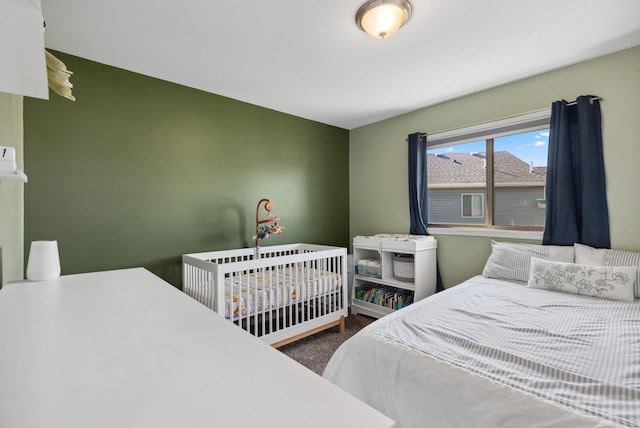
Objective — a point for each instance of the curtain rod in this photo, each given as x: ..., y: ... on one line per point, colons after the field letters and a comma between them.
x: 546, y: 110
x: 572, y: 103
x: 421, y: 135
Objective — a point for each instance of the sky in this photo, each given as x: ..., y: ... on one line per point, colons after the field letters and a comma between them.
x: 528, y: 146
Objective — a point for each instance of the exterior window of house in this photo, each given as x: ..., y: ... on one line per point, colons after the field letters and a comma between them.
x: 491, y: 175
x: 472, y: 205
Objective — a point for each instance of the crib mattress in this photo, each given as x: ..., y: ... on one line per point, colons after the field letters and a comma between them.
x: 251, y: 292
x: 248, y: 293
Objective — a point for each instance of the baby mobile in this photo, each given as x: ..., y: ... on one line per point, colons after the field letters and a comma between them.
x: 265, y: 226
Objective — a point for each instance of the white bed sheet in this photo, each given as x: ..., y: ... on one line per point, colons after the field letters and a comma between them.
x: 491, y: 353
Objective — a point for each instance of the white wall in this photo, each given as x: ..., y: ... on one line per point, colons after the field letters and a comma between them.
x: 11, y: 193
x: 22, y: 72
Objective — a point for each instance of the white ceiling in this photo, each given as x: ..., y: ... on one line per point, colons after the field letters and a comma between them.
x: 309, y: 59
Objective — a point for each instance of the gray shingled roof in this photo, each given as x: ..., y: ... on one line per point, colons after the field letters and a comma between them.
x: 448, y: 168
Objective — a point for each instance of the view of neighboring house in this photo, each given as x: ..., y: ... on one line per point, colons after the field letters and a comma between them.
x: 457, y: 195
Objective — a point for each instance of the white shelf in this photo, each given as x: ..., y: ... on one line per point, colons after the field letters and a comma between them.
x: 383, y: 247
x: 17, y: 176
x: 386, y: 281
x: 370, y: 309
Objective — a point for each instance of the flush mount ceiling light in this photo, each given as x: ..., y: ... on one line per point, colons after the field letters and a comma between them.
x: 382, y: 18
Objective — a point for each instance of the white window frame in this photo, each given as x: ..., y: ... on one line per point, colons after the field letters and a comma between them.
x: 522, y: 123
x: 472, y: 197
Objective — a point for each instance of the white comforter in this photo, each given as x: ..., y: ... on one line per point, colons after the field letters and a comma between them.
x: 490, y: 353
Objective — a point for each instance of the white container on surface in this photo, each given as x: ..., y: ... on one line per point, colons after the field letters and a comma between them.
x: 375, y: 268
x: 44, y: 261
x: 370, y: 268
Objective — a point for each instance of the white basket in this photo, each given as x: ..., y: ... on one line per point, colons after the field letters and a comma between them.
x: 403, y: 268
x: 370, y: 268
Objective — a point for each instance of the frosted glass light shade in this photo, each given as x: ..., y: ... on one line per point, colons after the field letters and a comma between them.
x: 382, y: 18
x: 44, y: 261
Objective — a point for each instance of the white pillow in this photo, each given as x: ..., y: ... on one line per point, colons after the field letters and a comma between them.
x: 608, y: 282
x: 605, y: 257
x: 512, y: 261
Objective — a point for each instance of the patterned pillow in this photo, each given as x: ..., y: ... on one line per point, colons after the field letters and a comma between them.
x: 605, y: 257
x: 608, y: 282
x: 512, y: 261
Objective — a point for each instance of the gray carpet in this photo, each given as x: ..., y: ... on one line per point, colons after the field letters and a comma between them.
x: 314, y: 351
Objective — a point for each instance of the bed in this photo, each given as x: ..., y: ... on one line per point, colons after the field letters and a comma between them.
x: 495, y: 352
x: 287, y: 293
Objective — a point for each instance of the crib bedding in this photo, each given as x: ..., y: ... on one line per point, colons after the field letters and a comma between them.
x: 496, y: 353
x: 252, y: 292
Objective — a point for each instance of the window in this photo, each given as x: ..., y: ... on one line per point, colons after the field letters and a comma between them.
x: 472, y: 205
x: 491, y: 175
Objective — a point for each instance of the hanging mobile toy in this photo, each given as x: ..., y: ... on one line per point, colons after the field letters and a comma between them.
x: 267, y: 225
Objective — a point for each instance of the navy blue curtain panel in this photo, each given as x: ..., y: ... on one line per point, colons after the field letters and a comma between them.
x: 577, y: 208
x: 418, y: 208
x: 418, y: 183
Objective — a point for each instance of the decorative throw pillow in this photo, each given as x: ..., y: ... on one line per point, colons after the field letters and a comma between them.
x: 608, y: 282
x: 512, y: 261
x: 605, y: 257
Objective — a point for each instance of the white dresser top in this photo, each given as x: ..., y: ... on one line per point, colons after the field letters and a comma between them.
x: 126, y: 349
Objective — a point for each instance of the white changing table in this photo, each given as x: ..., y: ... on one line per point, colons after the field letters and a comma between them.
x: 125, y: 349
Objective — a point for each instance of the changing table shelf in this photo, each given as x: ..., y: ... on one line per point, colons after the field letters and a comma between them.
x: 399, y: 269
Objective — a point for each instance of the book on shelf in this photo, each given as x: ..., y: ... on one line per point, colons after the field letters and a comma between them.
x: 389, y: 297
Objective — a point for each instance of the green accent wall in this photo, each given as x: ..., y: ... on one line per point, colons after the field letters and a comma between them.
x: 378, y: 154
x: 139, y: 171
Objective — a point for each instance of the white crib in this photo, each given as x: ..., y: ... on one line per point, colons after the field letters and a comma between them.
x: 287, y: 293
